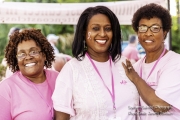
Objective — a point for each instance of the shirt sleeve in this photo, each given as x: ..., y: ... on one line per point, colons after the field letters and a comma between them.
x: 5, y: 105
x: 168, y: 87
x: 62, y: 96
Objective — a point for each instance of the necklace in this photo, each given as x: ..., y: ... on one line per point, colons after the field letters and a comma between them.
x: 112, y: 81
x: 153, y: 66
x: 40, y: 94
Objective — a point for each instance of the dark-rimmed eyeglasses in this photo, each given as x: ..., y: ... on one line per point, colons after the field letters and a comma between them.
x: 21, y: 56
x: 153, y: 28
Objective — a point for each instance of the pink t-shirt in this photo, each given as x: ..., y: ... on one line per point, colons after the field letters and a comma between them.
x: 131, y: 53
x: 80, y: 92
x: 165, y: 80
x: 21, y: 99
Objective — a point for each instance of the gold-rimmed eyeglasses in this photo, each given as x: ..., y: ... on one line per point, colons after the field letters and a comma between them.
x: 22, y: 55
x: 153, y: 28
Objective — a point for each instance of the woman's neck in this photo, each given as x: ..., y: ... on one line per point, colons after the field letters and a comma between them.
x: 37, y: 78
x: 102, y: 57
x: 153, y: 56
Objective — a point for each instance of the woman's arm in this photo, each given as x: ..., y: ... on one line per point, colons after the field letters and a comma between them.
x: 146, y: 92
x: 150, y: 98
x: 5, y: 109
x: 61, y: 116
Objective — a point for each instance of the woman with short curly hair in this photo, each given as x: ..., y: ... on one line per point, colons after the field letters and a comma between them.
x: 157, y: 75
x: 24, y: 35
x: 27, y: 93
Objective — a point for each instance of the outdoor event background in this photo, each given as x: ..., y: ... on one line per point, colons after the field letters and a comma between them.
x: 66, y: 32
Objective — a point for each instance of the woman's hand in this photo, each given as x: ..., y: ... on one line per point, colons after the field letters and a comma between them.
x: 146, y: 92
x: 130, y: 72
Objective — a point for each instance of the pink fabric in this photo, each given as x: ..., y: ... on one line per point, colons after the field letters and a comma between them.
x: 131, y: 53
x: 80, y: 92
x: 165, y: 79
x: 19, y: 100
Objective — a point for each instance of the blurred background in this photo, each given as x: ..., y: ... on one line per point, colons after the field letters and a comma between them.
x: 66, y: 32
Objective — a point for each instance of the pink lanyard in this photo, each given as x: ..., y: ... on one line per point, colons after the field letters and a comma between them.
x: 112, y: 80
x: 37, y: 90
x: 153, y: 66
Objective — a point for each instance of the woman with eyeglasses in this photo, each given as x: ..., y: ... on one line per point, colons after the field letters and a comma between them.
x: 26, y: 95
x: 157, y: 75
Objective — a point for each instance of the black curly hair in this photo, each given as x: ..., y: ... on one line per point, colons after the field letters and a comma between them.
x: 24, y: 35
x: 149, y: 11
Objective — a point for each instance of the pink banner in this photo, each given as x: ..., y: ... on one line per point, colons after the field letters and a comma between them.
x: 65, y: 13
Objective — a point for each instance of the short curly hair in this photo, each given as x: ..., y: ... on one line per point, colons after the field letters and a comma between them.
x: 149, y: 11
x: 24, y: 35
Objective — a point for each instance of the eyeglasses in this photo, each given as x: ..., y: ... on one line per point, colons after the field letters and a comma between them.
x: 21, y: 56
x: 153, y: 28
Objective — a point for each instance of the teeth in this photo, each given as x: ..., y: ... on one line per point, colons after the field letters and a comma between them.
x: 101, y: 41
x: 30, y: 64
x: 148, y: 41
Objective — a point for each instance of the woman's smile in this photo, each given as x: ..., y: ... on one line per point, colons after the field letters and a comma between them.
x: 101, y: 41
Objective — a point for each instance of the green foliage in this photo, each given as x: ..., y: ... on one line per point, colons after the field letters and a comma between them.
x: 65, y: 43
x: 2, y: 68
x: 126, y: 31
x: 1, y: 57
x: 3, y: 38
x: 46, y: 29
x: 175, y: 35
x: 2, y: 71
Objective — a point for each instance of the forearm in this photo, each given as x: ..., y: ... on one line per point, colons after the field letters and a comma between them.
x: 61, y: 116
x: 149, y: 97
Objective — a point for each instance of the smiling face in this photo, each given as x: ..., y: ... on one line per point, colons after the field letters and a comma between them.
x: 30, y: 66
x: 152, y: 42
x: 99, y: 35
